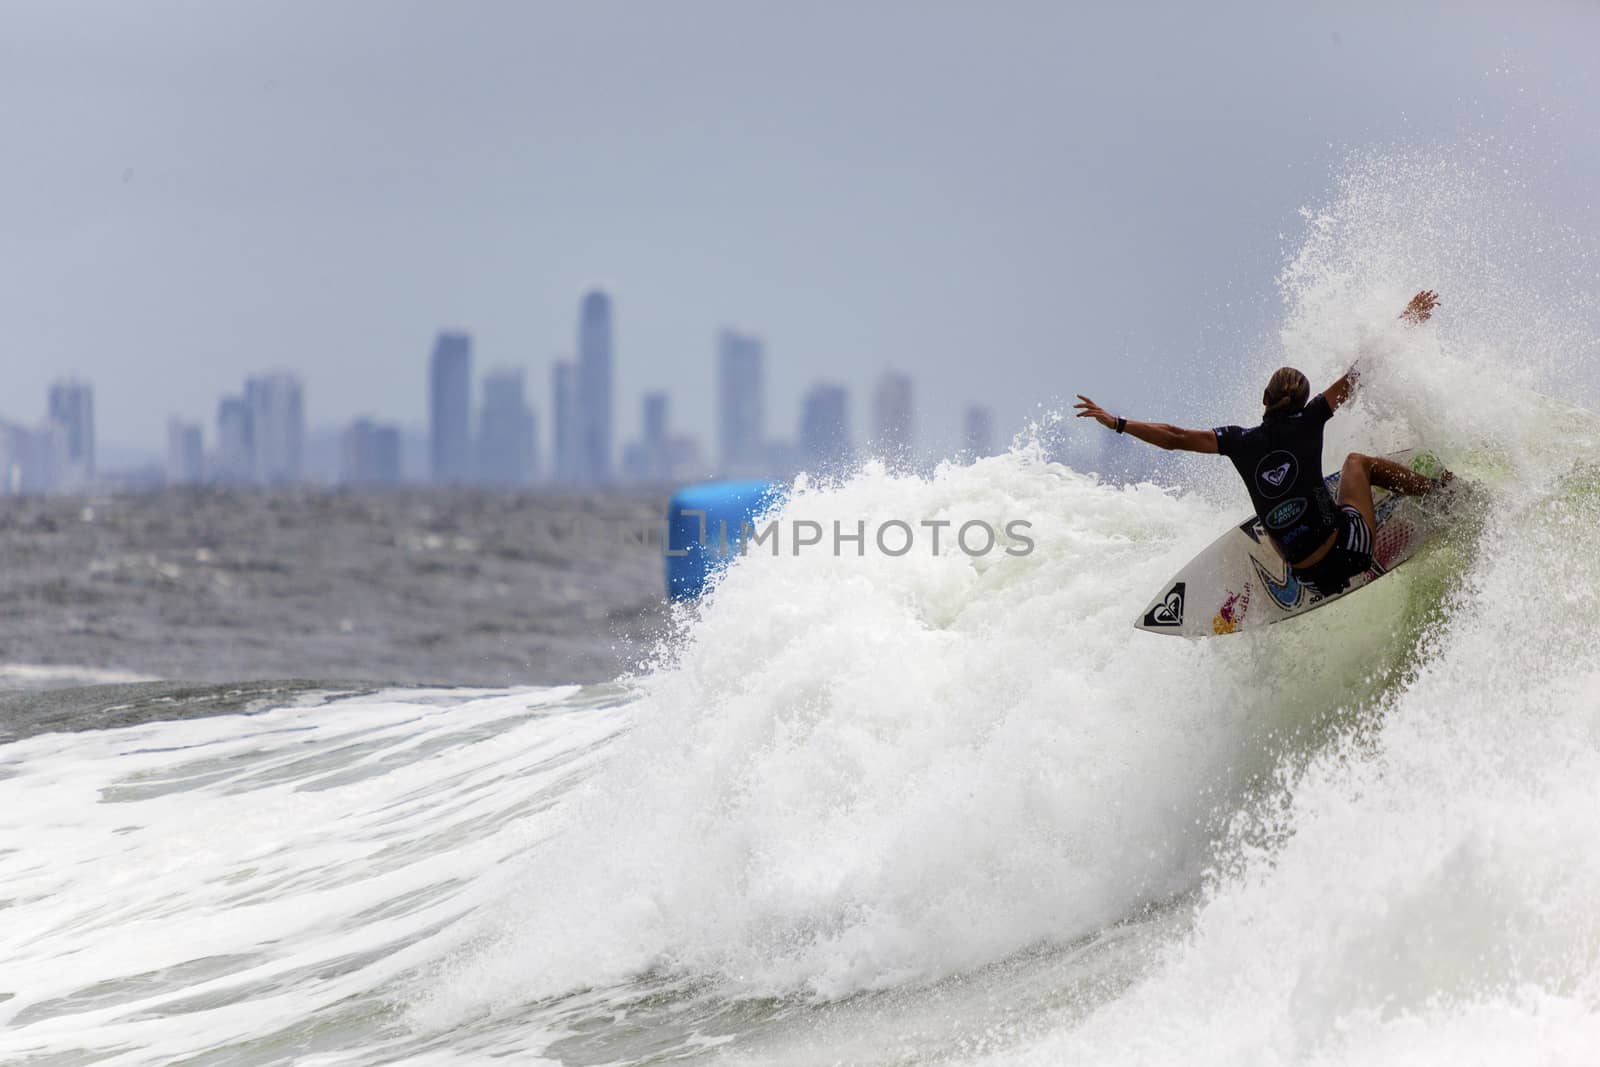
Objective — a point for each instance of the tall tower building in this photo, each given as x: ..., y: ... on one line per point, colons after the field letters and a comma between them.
x: 977, y: 431
x: 186, y: 461
x: 506, y: 431
x: 33, y: 460
x: 660, y: 457
x: 893, y: 420
x: 450, y: 408
x: 369, y: 454
x: 236, y: 450
x: 72, y: 407
x: 278, y: 427
x: 648, y: 461
x: 825, y: 426
x: 741, y: 383
x: 13, y: 457
x: 564, y: 422
x: 594, y: 390
x: 653, y: 418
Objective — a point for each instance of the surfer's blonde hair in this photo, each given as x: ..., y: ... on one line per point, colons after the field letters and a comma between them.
x: 1287, y: 392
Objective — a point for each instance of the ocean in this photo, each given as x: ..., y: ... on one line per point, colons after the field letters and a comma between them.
x: 411, y: 586
x: 860, y: 809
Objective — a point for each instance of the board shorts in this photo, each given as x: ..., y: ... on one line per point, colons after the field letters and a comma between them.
x: 1350, y: 555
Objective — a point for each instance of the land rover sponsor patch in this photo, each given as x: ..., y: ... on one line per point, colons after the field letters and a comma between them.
x: 1287, y: 512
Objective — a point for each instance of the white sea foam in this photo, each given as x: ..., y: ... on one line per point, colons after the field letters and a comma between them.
x: 864, y: 772
x: 255, y: 882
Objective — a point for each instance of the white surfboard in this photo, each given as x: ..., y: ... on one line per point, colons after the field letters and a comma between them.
x: 1241, y: 583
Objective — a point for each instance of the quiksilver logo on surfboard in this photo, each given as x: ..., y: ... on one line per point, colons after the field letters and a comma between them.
x: 1169, y: 612
x: 1287, y: 593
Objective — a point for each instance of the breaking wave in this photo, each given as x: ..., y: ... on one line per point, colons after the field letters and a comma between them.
x: 934, y: 807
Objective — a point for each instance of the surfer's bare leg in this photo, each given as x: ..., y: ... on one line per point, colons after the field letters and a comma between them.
x: 1355, y: 486
x: 1362, y: 472
x: 1398, y: 478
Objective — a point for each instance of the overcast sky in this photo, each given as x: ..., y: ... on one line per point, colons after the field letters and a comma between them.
x: 1009, y: 200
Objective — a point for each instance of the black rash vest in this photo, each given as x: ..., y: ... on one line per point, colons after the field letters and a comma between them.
x: 1281, y: 464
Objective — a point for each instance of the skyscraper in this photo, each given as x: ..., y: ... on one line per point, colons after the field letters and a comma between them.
x: 278, y: 427
x: 450, y: 407
x: 658, y: 450
x: 506, y: 431
x: 13, y: 457
x: 369, y: 454
x: 186, y: 459
x: 825, y: 427
x: 564, y: 431
x: 649, y: 459
x: 893, y: 420
x: 236, y: 451
x: 741, y: 427
x: 32, y: 459
x: 594, y: 390
x: 978, y: 431
x: 654, y: 417
x: 659, y: 457
x: 72, y: 406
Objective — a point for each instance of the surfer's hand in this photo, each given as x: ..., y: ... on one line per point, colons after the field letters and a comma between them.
x: 1088, y: 409
x: 1421, y: 307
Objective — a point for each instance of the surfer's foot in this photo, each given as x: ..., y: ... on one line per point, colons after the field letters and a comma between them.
x: 1451, y: 495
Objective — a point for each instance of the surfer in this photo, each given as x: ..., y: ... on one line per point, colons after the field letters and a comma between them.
x: 1325, y: 543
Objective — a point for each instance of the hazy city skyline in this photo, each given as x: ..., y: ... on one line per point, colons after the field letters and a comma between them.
x: 208, y: 191
x: 1027, y: 201
x: 260, y: 436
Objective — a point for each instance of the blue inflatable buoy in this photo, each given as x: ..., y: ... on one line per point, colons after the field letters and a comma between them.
x: 703, y: 530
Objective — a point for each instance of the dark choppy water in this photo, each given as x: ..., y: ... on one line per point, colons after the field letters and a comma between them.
x: 416, y: 586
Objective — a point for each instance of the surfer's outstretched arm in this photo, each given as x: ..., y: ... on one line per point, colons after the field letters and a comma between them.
x: 1160, y: 434
x: 1416, y: 313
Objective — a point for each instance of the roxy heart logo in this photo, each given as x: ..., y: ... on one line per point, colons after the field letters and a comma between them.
x: 1169, y: 612
x: 1275, y: 474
